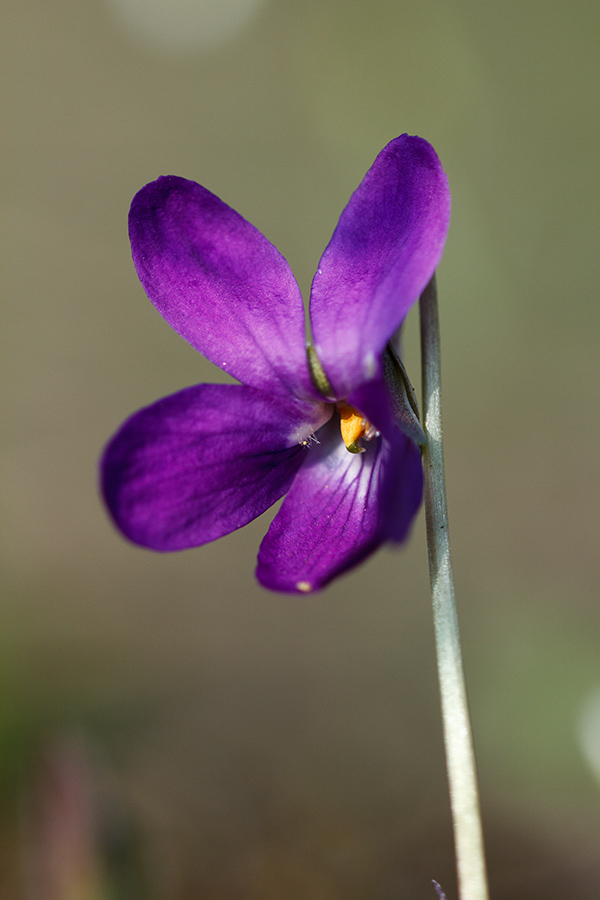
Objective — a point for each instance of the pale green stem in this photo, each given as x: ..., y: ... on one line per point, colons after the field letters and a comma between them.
x: 460, y: 757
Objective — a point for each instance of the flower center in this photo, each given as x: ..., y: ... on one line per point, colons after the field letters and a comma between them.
x: 354, y: 427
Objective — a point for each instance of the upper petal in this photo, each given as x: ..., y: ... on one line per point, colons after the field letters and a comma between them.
x: 339, y: 509
x: 220, y: 284
x: 383, y: 253
x: 203, y: 462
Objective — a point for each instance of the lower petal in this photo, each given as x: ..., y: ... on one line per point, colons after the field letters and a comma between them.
x: 203, y: 462
x: 341, y: 507
x: 402, y: 490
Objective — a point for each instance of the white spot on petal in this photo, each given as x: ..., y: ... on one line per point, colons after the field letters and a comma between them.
x: 304, y: 586
x: 370, y: 365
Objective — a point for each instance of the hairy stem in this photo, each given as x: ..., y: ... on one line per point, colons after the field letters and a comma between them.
x: 460, y: 757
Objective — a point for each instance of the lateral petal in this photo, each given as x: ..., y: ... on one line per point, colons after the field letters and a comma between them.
x: 203, y: 462
x: 220, y: 284
x: 386, y: 246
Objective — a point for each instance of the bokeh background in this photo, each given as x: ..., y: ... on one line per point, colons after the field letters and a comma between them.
x: 167, y: 728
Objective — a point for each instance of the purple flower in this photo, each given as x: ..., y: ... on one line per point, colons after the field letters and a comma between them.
x: 207, y: 460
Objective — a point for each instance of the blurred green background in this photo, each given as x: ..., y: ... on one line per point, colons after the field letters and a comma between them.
x: 238, y: 745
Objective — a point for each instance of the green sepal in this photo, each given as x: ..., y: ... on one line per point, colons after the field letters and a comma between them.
x: 402, y: 393
x: 317, y: 373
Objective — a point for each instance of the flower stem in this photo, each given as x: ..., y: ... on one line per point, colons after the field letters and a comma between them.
x: 460, y: 757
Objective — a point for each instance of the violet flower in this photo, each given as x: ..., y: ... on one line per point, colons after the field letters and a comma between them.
x: 207, y: 460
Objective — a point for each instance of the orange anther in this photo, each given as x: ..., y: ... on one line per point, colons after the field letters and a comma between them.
x: 352, y: 426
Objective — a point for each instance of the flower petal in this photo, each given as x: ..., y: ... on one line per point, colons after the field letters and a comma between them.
x: 203, y: 462
x: 402, y: 490
x: 339, y: 509
x: 220, y: 284
x: 383, y: 253
x: 402, y: 486
x: 386, y: 406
